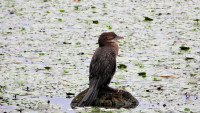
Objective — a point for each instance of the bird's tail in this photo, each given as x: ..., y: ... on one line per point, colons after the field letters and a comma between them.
x: 89, y: 97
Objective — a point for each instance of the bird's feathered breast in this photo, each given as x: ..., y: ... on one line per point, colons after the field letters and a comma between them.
x: 103, y: 62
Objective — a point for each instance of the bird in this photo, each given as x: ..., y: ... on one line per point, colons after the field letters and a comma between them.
x: 102, y: 66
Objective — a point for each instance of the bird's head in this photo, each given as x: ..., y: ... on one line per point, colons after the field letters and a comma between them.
x: 108, y: 38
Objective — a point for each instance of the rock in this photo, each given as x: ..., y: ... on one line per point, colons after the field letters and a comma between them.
x: 110, y: 98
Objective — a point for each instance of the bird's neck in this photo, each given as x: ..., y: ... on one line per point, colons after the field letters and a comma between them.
x: 116, y: 47
x: 112, y: 44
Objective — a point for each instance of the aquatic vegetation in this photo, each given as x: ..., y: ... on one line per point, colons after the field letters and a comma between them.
x: 160, y: 53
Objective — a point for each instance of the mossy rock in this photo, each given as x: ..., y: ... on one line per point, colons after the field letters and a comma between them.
x: 109, y: 98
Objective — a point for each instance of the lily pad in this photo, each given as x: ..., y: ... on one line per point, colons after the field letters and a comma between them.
x: 147, y: 19
x: 184, y: 48
x: 143, y: 74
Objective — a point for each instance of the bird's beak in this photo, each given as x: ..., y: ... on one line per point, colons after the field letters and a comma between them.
x: 119, y: 37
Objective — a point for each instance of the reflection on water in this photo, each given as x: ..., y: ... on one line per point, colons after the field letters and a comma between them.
x: 64, y: 103
x: 11, y: 107
x: 189, y: 97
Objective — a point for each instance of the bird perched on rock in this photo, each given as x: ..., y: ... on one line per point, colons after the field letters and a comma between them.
x: 102, y: 66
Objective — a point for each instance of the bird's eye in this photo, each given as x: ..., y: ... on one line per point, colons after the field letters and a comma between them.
x: 114, y: 36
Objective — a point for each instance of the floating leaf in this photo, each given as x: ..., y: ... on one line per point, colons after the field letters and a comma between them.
x: 117, y: 83
x: 23, y: 29
x: 66, y: 71
x: 187, y: 65
x: 197, y: 20
x: 76, y: 7
x: 155, y: 79
x: 95, y: 21
x: 186, y: 109
x: 192, y: 75
x: 109, y: 27
x: 78, y: 43
x: 66, y: 43
x: 62, y: 10
x: 160, y: 61
x: 68, y: 95
x: 147, y: 19
x: 122, y: 66
x: 93, y: 7
x: 139, y: 65
x: 47, y: 67
x: 47, y: 11
x: 41, y: 53
x: 184, y: 48
x: 60, y: 19
x: 143, y: 74
x: 188, y: 58
x: 12, y: 11
x: 82, y: 53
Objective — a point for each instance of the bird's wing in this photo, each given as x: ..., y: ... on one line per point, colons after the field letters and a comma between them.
x: 102, y: 66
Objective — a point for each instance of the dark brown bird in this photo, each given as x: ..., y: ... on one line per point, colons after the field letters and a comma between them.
x: 102, y: 66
